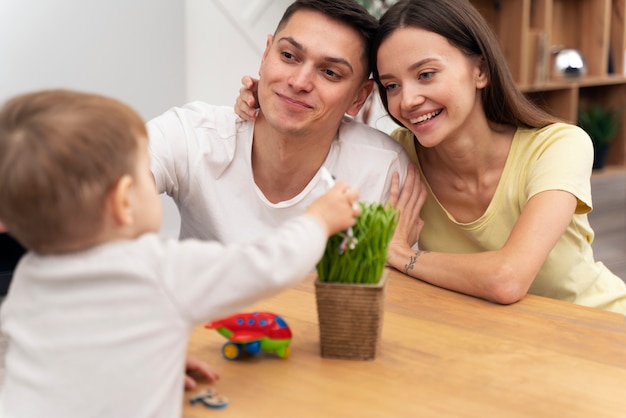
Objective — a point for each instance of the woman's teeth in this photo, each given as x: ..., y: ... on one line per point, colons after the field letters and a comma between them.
x: 425, y: 117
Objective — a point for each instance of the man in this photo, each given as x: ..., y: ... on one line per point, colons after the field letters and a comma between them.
x: 233, y: 180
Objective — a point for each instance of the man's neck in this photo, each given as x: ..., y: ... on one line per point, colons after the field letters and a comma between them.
x: 284, y: 165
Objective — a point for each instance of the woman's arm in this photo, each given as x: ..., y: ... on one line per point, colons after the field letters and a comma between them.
x: 502, y: 276
x: 246, y: 105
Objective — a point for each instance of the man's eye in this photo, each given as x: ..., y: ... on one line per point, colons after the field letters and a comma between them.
x: 331, y: 73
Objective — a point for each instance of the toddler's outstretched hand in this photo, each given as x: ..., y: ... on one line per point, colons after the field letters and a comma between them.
x: 338, y: 209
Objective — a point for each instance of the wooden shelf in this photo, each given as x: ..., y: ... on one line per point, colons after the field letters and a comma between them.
x: 587, y: 81
x: 530, y: 31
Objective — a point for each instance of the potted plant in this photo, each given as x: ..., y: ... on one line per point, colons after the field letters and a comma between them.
x: 350, y: 287
x: 602, y: 125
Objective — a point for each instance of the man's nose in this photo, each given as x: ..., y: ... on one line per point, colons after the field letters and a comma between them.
x: 302, y: 78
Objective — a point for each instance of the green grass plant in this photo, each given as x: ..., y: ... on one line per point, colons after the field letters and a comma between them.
x: 364, y: 263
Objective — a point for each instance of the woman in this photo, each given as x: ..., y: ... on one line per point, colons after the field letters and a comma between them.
x: 508, y: 185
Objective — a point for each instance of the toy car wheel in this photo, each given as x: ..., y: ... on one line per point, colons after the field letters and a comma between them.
x: 231, y: 351
x: 285, y: 352
x: 253, y: 348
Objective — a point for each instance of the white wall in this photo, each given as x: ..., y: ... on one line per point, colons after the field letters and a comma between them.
x: 128, y: 49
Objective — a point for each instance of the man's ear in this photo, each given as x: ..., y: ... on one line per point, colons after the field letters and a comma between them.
x: 268, y: 45
x: 362, y: 95
x: 119, y: 201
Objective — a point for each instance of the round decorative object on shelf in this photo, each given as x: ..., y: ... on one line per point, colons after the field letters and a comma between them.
x: 569, y: 63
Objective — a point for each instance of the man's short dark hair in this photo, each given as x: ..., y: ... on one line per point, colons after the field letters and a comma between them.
x: 348, y: 12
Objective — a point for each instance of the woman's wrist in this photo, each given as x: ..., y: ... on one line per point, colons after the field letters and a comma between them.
x: 412, y: 260
x: 403, y: 258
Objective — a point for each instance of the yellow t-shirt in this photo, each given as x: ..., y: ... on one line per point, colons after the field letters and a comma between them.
x: 557, y: 157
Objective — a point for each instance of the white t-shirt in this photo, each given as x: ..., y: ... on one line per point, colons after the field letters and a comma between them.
x: 201, y: 157
x: 103, y: 332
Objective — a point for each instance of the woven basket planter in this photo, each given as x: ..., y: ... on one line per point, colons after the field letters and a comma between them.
x: 350, y: 318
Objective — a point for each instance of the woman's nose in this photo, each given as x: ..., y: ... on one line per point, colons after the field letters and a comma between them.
x: 412, y: 96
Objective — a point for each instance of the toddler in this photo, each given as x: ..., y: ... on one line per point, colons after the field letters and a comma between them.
x: 100, y: 308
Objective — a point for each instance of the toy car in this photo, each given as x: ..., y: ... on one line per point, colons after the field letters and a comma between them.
x: 253, y: 333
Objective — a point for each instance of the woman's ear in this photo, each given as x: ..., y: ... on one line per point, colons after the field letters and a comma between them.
x: 482, y: 74
x: 120, y: 201
x: 362, y: 95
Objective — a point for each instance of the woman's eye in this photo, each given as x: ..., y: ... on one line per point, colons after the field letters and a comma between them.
x: 391, y: 86
x: 426, y: 75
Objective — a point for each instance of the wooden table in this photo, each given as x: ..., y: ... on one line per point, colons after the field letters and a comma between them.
x: 442, y: 354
